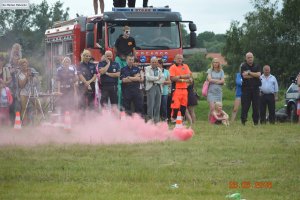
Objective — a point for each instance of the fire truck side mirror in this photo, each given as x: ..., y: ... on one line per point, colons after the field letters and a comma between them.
x: 193, y: 39
x: 192, y: 27
x: 89, y: 35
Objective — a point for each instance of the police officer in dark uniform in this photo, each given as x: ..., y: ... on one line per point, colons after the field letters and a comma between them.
x: 66, y: 78
x: 250, y: 73
x: 130, y: 76
x: 110, y: 73
x: 87, y: 76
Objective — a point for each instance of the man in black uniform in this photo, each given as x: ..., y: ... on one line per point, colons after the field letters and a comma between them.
x: 250, y: 73
x: 87, y: 76
x: 130, y: 76
x: 110, y: 73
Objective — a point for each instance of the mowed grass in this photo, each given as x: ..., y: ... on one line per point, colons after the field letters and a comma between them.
x: 202, y: 167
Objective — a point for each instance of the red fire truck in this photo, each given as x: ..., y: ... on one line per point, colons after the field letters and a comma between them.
x: 157, y: 32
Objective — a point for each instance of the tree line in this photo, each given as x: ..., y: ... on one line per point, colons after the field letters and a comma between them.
x: 272, y: 34
x: 27, y: 27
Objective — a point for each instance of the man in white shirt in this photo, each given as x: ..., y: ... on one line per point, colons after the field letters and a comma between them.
x: 268, y: 95
x: 153, y: 88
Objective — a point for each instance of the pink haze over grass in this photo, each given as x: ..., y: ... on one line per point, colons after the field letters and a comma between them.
x: 93, y: 129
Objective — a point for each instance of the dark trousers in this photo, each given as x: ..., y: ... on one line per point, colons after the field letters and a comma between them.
x: 110, y: 92
x: 134, y: 96
x: 164, y: 107
x: 250, y: 96
x: 122, y: 3
x: 87, y: 97
x: 131, y: 3
x: 267, y: 100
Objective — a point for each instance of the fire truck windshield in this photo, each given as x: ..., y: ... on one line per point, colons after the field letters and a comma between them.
x: 148, y: 35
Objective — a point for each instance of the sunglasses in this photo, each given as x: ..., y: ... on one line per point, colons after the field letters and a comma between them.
x: 127, y: 32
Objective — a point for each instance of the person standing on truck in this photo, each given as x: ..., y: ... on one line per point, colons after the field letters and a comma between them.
x: 180, y: 75
x: 124, y: 46
x: 101, y: 2
x: 87, y: 76
x: 131, y: 3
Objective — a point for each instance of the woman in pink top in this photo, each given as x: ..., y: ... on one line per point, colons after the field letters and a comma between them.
x: 218, y: 116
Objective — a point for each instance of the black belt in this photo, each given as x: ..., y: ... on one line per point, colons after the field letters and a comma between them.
x: 156, y: 84
x: 266, y: 93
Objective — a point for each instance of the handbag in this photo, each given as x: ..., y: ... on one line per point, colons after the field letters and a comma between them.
x: 205, y: 88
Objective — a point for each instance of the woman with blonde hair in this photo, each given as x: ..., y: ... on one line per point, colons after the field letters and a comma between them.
x: 26, y: 80
x: 87, y: 75
x: 215, y: 76
x: 218, y: 115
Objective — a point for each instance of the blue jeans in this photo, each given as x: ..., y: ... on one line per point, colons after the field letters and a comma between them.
x: 164, y: 107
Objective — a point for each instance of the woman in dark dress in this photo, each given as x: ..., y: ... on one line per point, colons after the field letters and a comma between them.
x: 192, y: 102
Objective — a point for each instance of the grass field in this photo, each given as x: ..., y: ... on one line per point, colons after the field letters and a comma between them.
x: 205, y: 167
x: 260, y: 162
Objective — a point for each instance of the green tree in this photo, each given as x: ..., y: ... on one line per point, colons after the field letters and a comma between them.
x: 28, y: 27
x: 271, y: 34
x: 289, y: 39
x: 197, y: 62
x: 233, y: 51
x: 211, y: 41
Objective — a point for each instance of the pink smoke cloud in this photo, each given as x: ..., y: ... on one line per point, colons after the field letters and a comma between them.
x: 93, y: 129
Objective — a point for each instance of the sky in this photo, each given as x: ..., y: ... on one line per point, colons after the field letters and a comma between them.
x: 209, y: 15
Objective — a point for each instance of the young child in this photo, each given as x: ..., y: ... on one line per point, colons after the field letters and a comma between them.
x: 5, y: 101
x: 218, y: 116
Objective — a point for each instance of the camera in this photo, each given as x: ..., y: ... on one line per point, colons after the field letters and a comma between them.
x: 32, y: 72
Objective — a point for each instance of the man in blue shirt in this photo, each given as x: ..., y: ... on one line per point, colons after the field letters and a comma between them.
x: 110, y: 73
x: 268, y: 95
x: 130, y: 76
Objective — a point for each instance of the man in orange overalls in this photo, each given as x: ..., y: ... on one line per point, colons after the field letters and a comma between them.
x: 180, y: 75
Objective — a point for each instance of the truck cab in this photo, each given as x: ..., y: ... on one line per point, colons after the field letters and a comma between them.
x: 158, y: 32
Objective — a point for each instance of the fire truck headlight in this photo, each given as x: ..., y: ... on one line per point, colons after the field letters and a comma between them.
x: 143, y: 59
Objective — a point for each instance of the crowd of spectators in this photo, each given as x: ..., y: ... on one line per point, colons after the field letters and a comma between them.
x: 156, y: 92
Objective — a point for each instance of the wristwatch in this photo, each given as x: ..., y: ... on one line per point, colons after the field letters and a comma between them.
x: 249, y: 73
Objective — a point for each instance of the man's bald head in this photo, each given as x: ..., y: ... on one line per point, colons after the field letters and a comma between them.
x: 267, y: 70
x: 249, y: 58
